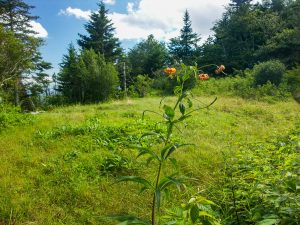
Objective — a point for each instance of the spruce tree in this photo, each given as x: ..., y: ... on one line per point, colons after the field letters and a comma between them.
x: 15, y: 16
x: 100, y: 36
x: 68, y: 78
x: 184, y: 47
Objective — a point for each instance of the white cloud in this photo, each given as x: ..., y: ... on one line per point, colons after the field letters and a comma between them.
x: 39, y: 29
x: 130, y: 6
x: 162, y: 18
x: 109, y: 2
x: 78, y: 13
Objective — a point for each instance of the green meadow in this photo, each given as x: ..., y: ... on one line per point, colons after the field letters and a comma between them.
x: 62, y: 166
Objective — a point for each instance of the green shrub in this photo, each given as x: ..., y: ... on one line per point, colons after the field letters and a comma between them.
x: 12, y: 116
x: 162, y: 84
x: 271, y: 71
x: 243, y: 87
x: 116, y: 165
x: 88, y: 79
x: 141, y: 87
x: 55, y: 100
x: 292, y: 78
x: 261, y: 183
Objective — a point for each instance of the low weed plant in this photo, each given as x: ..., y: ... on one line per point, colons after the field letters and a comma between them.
x: 11, y: 116
x: 262, y: 184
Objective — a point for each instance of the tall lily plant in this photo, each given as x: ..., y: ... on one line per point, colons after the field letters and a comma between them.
x: 171, y: 116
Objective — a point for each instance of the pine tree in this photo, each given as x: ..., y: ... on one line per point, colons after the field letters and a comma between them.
x: 68, y: 78
x: 184, y: 47
x: 100, y: 36
x: 15, y: 16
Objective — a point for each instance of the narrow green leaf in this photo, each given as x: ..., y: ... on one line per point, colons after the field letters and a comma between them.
x: 182, y: 118
x: 178, y: 80
x: 166, y: 152
x: 169, y: 112
x: 182, y: 108
x: 148, y: 152
x: 194, y: 213
x: 174, y: 162
x: 148, y: 134
x: 170, y: 180
x: 190, y: 103
x: 177, y: 90
x: 206, y: 214
x: 136, y: 179
x: 185, y: 77
x: 171, y: 150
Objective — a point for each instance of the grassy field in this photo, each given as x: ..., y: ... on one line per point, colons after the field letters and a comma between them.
x: 58, y: 170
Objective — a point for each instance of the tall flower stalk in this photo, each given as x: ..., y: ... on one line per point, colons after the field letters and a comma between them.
x: 172, y: 115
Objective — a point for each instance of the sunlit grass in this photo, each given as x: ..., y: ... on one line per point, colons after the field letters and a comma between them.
x: 58, y: 180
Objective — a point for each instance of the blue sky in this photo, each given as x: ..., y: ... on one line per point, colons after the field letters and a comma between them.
x: 61, y: 20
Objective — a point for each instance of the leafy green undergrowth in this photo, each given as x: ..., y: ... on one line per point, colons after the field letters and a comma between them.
x: 11, y: 116
x: 262, y: 182
x: 244, y: 87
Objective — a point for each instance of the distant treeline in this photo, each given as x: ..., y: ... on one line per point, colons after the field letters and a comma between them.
x: 246, y: 35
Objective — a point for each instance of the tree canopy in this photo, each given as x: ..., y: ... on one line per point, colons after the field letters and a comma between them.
x: 20, y: 47
x: 86, y: 77
x: 147, y: 56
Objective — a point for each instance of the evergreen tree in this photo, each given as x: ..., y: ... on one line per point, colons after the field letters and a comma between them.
x: 100, y: 36
x: 42, y: 78
x: 147, y: 57
x: 15, y: 17
x: 184, y: 47
x: 68, y: 77
x: 86, y: 77
x: 99, y: 79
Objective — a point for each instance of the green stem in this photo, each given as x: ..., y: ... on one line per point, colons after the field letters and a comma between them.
x: 170, y: 129
x: 180, y: 96
x: 154, y: 196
